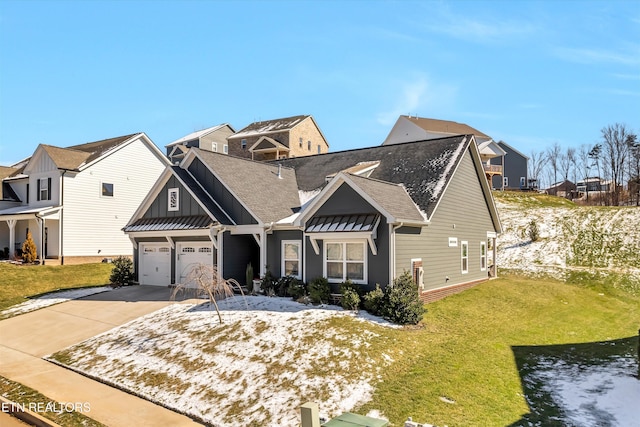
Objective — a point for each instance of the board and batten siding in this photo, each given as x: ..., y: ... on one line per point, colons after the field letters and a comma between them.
x: 220, y: 193
x: 187, y: 205
x: 92, y: 224
x: 463, y: 214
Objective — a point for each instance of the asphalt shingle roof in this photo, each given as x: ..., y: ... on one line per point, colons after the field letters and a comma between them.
x: 268, y: 126
x: 256, y: 184
x: 422, y: 167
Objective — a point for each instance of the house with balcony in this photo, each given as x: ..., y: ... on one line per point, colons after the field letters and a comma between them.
x: 295, y: 136
x: 75, y: 200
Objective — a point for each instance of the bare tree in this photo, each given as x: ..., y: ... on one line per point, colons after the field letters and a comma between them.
x: 594, y: 155
x: 537, y: 161
x: 566, y: 161
x: 584, y: 166
x: 553, y: 158
x: 204, y: 279
x: 615, y: 152
x: 634, y: 168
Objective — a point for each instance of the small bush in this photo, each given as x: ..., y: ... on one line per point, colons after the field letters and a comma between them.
x: 373, y: 301
x: 29, y: 251
x: 401, y: 302
x: 268, y: 283
x: 350, y: 300
x: 295, y: 288
x: 122, y: 272
x: 532, y: 231
x: 248, y: 277
x: 319, y: 290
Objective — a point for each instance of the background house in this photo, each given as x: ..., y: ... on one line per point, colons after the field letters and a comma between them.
x: 279, y: 138
x: 408, y: 129
x: 515, y: 170
x: 562, y: 189
x: 365, y: 215
x: 210, y: 139
x: 76, y: 200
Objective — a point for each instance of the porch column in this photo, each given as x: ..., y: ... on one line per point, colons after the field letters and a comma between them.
x: 495, y: 257
x: 12, y: 237
x: 219, y: 254
x: 40, y: 222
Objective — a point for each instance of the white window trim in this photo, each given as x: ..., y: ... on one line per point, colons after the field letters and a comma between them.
x: 177, y: 206
x: 46, y: 189
x: 214, y: 147
x: 283, y: 259
x: 225, y: 148
x: 364, y: 280
x: 464, y: 244
x: 483, y: 258
x: 113, y: 190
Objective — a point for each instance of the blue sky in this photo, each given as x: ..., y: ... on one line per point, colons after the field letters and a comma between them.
x: 529, y: 73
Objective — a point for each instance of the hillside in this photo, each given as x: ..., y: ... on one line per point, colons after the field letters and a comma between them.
x: 573, y: 240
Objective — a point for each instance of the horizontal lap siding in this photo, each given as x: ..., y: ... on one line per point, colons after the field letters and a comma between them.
x: 92, y: 223
x: 464, y: 207
x: 274, y: 250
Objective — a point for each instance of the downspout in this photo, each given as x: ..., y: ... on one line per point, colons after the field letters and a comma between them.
x: 61, y: 231
x: 392, y: 252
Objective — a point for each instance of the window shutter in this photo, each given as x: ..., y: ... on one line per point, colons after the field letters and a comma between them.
x: 27, y: 193
x: 38, y: 190
x: 48, y: 188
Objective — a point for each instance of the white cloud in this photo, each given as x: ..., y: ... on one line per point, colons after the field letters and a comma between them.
x: 419, y: 96
x: 591, y: 56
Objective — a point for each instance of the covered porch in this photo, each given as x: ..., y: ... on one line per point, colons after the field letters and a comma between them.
x: 45, y: 226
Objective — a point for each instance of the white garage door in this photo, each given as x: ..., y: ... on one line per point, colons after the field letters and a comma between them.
x: 155, y: 264
x: 191, y: 254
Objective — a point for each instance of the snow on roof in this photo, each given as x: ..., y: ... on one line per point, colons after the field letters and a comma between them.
x: 269, y: 126
x: 196, y: 134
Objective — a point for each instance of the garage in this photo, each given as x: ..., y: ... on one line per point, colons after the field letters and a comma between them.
x: 155, y: 264
x: 191, y: 254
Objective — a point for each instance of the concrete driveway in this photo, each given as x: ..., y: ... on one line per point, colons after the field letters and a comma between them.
x: 26, y: 338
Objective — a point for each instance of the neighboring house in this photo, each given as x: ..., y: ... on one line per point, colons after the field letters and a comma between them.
x: 562, y: 189
x: 515, y: 171
x: 210, y: 139
x: 279, y: 139
x: 365, y: 215
x: 408, y: 129
x: 76, y: 200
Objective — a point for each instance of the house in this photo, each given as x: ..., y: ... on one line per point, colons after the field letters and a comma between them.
x: 564, y: 188
x: 76, y: 200
x: 515, y: 171
x: 210, y: 139
x: 408, y: 128
x: 366, y: 215
x: 279, y: 139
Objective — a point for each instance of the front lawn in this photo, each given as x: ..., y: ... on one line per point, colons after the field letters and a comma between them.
x: 463, y: 367
x: 18, y: 282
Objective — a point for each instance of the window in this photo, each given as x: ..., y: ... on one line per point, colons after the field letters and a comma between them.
x: 225, y: 149
x: 483, y: 256
x: 214, y: 147
x: 27, y: 193
x: 204, y: 250
x: 464, y: 255
x: 243, y: 143
x: 188, y: 249
x: 319, y: 149
x: 505, y: 181
x: 174, y: 200
x: 309, y: 145
x: 523, y: 182
x: 301, y: 142
x: 345, y: 260
x: 44, y: 189
x: 292, y: 258
x: 107, y: 189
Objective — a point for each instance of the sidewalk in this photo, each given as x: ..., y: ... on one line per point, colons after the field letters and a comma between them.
x: 25, y: 339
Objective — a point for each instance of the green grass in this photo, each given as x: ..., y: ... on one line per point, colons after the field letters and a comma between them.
x: 22, y: 281
x: 532, y: 199
x: 464, y: 353
x: 24, y: 395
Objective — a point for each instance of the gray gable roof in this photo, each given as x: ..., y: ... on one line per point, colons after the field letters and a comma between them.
x: 391, y: 197
x: 256, y: 184
x: 423, y: 167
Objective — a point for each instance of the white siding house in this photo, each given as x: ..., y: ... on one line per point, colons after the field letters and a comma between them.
x: 76, y: 200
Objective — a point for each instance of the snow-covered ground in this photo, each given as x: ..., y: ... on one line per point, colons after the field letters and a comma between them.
x: 266, y: 359
x: 51, y: 299
x: 570, y: 238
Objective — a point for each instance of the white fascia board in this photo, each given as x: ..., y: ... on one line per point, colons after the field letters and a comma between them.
x: 329, y: 189
x: 140, y: 135
x: 484, y: 183
x: 246, y: 229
